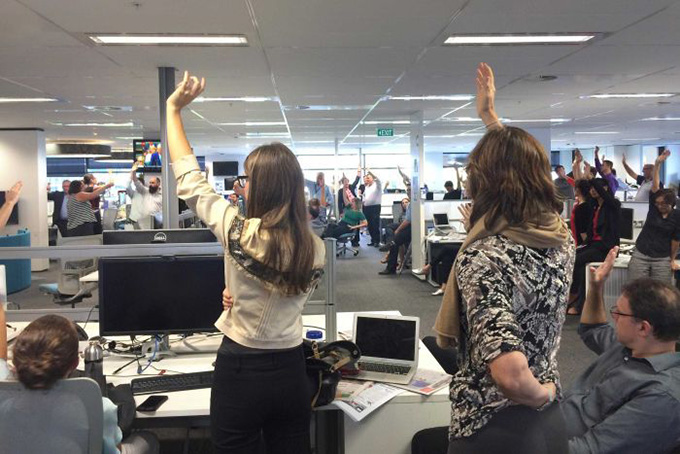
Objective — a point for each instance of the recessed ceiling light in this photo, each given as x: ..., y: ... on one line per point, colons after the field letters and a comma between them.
x: 628, y: 95
x: 386, y: 122
x: 543, y: 38
x: 638, y: 140
x: 430, y: 98
x: 66, y: 156
x: 254, y: 123
x: 661, y: 119
x: 128, y: 124
x: 146, y: 39
x: 597, y: 132
x: 540, y: 120
x: 128, y: 138
x: 266, y: 134
x: 238, y: 98
x: 330, y: 107
x: 11, y: 100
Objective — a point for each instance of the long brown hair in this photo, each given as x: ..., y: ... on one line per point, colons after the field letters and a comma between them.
x: 276, y: 195
x: 45, y: 351
x: 509, y: 177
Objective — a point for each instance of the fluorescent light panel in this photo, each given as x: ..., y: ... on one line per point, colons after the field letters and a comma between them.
x: 571, y: 38
x: 540, y: 120
x: 238, y: 99
x: 386, y: 122
x: 168, y: 40
x: 254, y: 123
x: 644, y: 139
x: 597, y: 132
x: 661, y: 119
x: 13, y: 100
x: 431, y: 98
x: 628, y: 95
x: 128, y: 124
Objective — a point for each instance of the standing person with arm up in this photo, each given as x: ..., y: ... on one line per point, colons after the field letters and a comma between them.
x: 659, y: 239
x: 628, y: 400
x: 605, y: 168
x: 372, y: 202
x: 506, y: 296
x: 11, y: 199
x: 272, y: 263
x: 644, y: 181
x: 81, y: 216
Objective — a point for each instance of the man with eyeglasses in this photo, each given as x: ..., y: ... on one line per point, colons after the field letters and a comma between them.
x: 628, y: 400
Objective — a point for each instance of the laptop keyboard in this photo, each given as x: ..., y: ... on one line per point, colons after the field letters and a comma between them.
x: 385, y: 368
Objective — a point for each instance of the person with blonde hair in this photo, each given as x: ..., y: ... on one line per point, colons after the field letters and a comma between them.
x: 505, y: 302
x: 272, y: 263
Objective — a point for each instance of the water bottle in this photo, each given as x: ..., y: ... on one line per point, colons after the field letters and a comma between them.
x: 94, y: 364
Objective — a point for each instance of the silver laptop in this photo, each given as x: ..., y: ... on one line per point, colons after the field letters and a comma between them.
x: 441, y: 222
x: 389, y: 347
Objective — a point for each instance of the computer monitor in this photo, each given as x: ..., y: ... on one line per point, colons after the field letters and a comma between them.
x: 148, y: 155
x: 440, y: 220
x: 158, y: 236
x: 160, y: 295
x: 225, y: 168
x: 14, y: 215
x: 627, y: 230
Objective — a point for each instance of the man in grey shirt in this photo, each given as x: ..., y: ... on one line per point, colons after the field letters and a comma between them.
x: 628, y: 400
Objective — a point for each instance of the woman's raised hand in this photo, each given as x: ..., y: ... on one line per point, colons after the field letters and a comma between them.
x: 486, y: 95
x: 187, y: 90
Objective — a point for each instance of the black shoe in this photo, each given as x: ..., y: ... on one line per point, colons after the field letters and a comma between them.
x: 371, y: 244
x: 387, y: 271
x: 376, y: 245
x: 386, y: 247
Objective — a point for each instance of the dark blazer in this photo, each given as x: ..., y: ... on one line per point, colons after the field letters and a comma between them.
x: 608, y: 222
x: 341, y: 199
x: 58, y: 198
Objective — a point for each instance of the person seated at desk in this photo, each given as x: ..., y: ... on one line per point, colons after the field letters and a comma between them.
x: 11, y: 199
x: 445, y: 256
x: 628, y: 400
x: 315, y: 223
x: 402, y: 237
x: 353, y: 219
x: 603, y: 234
x: 658, y: 242
x: 272, y: 262
x: 47, y: 351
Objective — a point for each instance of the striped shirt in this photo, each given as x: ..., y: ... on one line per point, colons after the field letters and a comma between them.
x: 79, y: 213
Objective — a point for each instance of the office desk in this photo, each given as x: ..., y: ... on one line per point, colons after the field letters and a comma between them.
x: 434, y: 243
x: 388, y: 430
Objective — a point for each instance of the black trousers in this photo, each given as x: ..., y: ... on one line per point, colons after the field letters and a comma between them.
x: 336, y: 230
x: 446, y: 256
x: 62, y: 226
x: 372, y: 213
x: 82, y: 230
x: 389, y: 232
x: 517, y: 430
x: 261, y: 398
x: 402, y: 238
x: 591, y: 253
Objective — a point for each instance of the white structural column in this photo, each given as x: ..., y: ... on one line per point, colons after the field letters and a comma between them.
x: 417, y: 176
x: 166, y: 86
x: 22, y: 154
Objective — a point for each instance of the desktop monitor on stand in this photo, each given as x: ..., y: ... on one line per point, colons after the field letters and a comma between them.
x: 158, y: 236
x: 159, y: 296
x: 627, y: 230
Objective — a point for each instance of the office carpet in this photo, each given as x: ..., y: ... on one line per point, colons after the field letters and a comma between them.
x: 359, y: 288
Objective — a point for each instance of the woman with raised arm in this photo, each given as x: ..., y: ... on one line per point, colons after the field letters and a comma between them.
x: 660, y: 237
x: 505, y: 301
x: 272, y: 262
x: 81, y: 217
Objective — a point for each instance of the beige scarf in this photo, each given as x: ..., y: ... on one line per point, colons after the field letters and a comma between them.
x: 549, y: 232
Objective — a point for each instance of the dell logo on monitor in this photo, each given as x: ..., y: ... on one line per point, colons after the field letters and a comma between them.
x: 160, y: 237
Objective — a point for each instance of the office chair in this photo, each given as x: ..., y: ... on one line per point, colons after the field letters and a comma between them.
x: 69, y: 290
x: 66, y: 419
x: 406, y: 261
x: 343, y: 244
x: 109, y: 218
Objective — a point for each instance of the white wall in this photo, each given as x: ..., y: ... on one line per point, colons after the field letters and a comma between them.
x: 672, y: 176
x: 22, y: 154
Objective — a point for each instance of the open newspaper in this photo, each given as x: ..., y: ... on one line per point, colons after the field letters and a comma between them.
x: 358, y: 399
x: 426, y: 382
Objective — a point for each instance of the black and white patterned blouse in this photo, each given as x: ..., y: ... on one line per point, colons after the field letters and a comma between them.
x: 514, y: 298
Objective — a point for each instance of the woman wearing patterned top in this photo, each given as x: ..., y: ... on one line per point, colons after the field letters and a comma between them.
x: 81, y: 218
x: 272, y: 261
x: 506, y: 299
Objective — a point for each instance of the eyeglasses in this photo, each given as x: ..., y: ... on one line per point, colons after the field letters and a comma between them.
x: 662, y: 204
x: 615, y: 313
x: 242, y: 180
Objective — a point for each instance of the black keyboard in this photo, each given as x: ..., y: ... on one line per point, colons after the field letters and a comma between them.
x: 385, y: 368
x: 170, y: 383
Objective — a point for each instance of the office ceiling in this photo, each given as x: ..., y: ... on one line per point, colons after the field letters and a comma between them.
x: 341, y: 59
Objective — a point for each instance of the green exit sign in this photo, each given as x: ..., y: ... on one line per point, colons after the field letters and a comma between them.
x: 385, y: 132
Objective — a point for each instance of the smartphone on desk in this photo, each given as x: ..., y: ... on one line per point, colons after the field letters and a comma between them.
x: 152, y: 403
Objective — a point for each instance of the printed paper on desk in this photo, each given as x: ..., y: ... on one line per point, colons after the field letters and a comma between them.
x: 366, y: 402
x: 426, y: 382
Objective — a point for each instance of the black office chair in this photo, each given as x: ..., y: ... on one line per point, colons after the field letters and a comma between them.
x: 436, y: 439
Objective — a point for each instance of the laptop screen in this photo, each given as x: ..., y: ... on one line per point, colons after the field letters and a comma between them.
x: 441, y: 219
x: 386, y: 338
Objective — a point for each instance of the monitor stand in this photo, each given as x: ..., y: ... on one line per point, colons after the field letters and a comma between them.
x: 160, y: 344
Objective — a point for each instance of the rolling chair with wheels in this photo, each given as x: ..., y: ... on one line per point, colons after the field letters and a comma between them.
x: 69, y: 290
x: 66, y: 419
x: 343, y: 244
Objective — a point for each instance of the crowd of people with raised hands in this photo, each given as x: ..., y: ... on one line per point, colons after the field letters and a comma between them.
x: 503, y: 306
